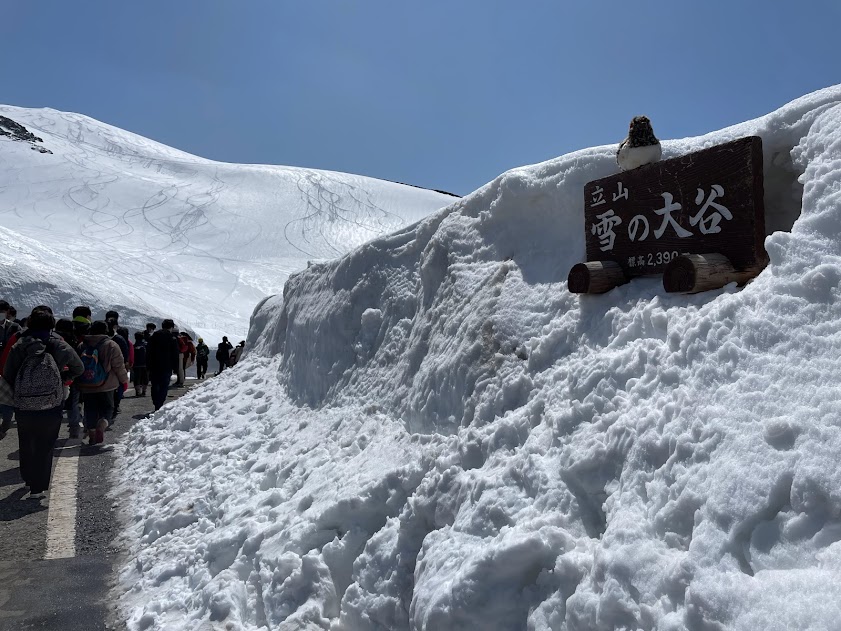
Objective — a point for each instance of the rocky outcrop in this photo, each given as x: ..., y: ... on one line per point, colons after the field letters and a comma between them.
x: 16, y: 131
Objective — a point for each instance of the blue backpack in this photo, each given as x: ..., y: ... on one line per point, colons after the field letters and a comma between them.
x: 94, y: 374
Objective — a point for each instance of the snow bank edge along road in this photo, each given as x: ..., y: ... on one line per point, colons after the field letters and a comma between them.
x: 434, y: 434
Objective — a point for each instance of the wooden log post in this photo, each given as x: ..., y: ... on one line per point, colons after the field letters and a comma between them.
x: 595, y: 277
x: 693, y: 273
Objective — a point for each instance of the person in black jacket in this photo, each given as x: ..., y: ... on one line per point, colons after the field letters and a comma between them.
x: 139, y: 373
x: 161, y: 361
x: 122, y: 342
x: 67, y: 330
x: 223, y: 353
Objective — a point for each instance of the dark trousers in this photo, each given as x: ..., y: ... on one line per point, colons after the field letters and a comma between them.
x: 160, y: 386
x: 201, y: 367
x: 118, y: 396
x: 98, y: 405
x: 37, y: 433
x: 74, y: 413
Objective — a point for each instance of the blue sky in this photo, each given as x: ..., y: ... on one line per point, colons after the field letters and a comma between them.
x: 441, y: 93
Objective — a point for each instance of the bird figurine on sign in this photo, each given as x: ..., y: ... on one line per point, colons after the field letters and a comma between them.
x: 640, y: 147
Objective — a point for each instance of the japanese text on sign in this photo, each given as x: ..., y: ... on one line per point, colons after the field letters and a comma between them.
x: 707, y: 201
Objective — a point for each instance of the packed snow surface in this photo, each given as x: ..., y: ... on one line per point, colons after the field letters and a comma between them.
x: 112, y: 219
x: 433, y: 433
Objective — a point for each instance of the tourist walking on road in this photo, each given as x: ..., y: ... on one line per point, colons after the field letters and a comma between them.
x: 81, y: 327
x: 36, y: 368
x: 72, y: 405
x: 202, y: 356
x: 139, y: 373
x: 223, y: 354
x: 161, y: 361
x: 182, y: 359
x: 188, y: 356
x: 112, y: 319
x: 9, y: 332
x: 236, y: 354
x: 105, y: 372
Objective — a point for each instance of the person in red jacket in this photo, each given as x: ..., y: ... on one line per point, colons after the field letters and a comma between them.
x: 190, y: 353
x: 9, y: 333
x: 182, y: 358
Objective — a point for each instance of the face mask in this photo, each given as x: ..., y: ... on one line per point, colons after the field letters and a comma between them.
x: 2, y: 316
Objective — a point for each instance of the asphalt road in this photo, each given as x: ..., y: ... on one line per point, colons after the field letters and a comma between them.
x: 37, y: 590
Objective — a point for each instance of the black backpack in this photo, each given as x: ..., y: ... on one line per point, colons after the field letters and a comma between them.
x: 140, y: 354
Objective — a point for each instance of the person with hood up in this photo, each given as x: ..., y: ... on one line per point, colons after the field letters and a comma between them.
x: 37, y: 366
x: 105, y: 372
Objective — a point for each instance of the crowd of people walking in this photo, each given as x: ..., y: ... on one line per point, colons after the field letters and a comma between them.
x: 81, y: 368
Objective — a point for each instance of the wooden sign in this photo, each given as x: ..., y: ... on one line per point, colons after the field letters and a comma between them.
x: 710, y: 201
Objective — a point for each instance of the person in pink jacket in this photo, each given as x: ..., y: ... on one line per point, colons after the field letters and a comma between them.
x: 105, y: 371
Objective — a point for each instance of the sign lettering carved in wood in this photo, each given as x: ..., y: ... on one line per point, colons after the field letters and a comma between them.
x: 703, y: 202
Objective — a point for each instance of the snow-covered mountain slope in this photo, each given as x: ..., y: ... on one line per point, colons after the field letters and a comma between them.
x: 436, y: 435
x: 114, y: 219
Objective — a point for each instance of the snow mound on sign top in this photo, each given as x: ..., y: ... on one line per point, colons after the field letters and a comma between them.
x: 434, y: 434
x: 117, y: 220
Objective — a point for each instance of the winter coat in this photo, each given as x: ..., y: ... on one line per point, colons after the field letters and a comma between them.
x: 162, y: 353
x: 73, y: 342
x: 140, y: 354
x: 123, y: 344
x: 202, y: 351
x: 188, y: 356
x: 4, y: 355
x: 223, y: 351
x: 31, y: 343
x: 111, y: 359
x: 7, y: 330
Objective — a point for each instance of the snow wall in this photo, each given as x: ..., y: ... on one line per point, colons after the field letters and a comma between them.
x: 432, y: 433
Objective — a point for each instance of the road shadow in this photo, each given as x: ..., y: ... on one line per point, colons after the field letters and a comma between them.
x: 86, y: 451
x: 14, y: 507
x: 10, y: 477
